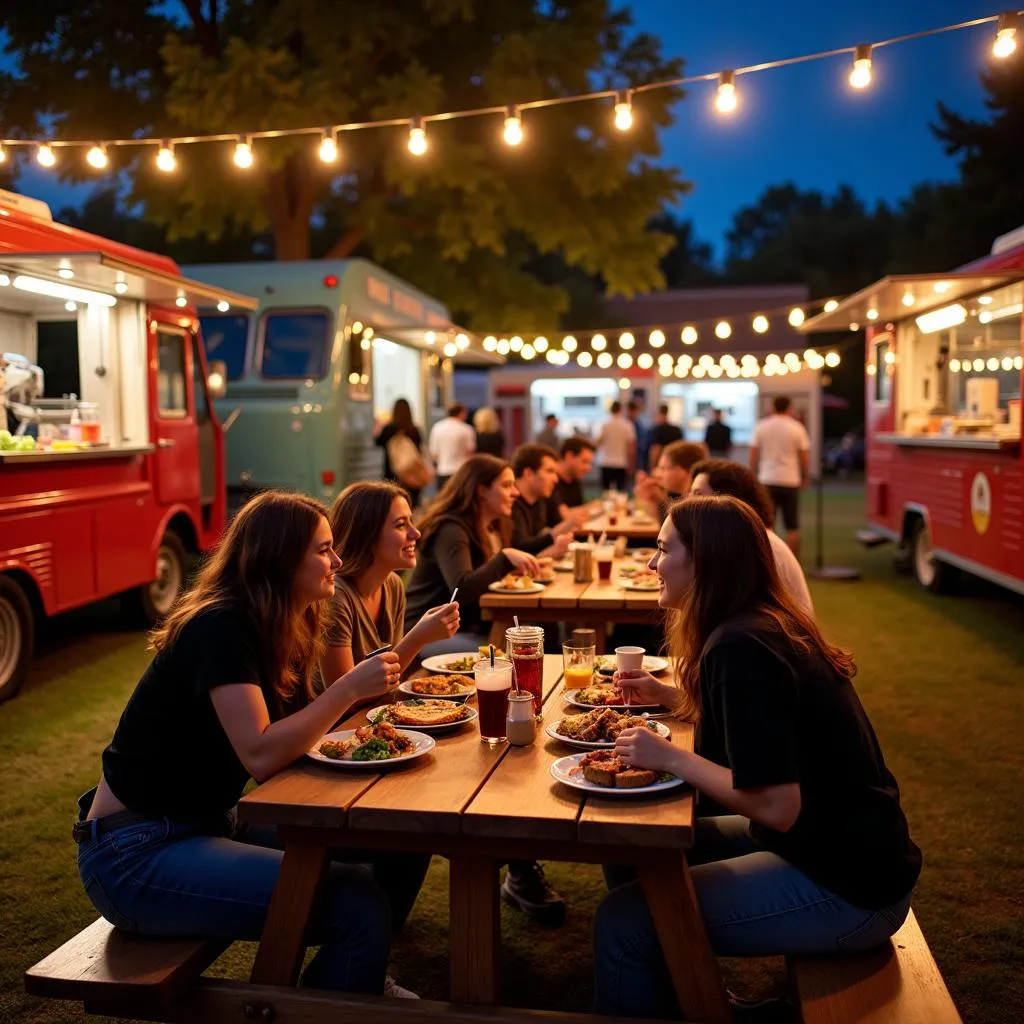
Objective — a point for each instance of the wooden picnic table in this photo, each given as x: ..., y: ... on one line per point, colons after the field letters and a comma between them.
x: 479, y: 806
x: 625, y: 526
x: 594, y: 605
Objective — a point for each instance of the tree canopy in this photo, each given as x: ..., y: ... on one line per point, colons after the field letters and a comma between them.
x: 466, y: 222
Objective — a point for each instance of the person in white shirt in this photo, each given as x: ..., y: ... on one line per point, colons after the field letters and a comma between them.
x: 780, y: 456
x: 721, y: 476
x: 452, y: 441
x: 617, y: 446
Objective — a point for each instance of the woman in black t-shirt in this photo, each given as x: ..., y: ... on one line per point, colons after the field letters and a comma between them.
x: 401, y: 423
x: 812, y: 852
x: 228, y: 696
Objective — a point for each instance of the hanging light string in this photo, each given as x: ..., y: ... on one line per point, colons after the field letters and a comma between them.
x: 1009, y: 30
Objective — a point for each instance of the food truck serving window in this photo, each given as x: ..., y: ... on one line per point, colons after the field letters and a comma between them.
x: 883, y: 371
x: 172, y: 402
x: 226, y: 335
x: 294, y: 344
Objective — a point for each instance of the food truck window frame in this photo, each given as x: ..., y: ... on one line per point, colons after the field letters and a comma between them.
x: 360, y: 390
x: 261, y: 338
x: 882, y: 387
x: 166, y: 334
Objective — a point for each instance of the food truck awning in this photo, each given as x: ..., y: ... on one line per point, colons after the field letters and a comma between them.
x: 904, y: 295
x: 110, y: 276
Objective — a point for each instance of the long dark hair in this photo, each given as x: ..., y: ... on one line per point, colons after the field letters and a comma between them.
x: 735, y: 581
x: 459, y: 496
x: 253, y: 569
x: 401, y: 416
x: 728, y: 477
x: 357, y: 517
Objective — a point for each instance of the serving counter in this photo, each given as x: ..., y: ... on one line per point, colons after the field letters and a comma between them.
x: 37, y: 456
x: 979, y: 443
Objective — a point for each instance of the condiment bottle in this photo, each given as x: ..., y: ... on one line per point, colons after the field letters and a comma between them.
x: 520, y: 723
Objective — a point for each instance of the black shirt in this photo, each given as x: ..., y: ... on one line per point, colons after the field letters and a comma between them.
x: 530, y: 531
x: 491, y: 444
x: 718, y: 438
x: 567, y: 493
x: 170, y: 755
x: 665, y: 433
x: 774, y: 716
x: 385, y: 435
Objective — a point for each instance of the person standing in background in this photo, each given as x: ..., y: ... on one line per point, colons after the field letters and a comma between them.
x: 452, y: 441
x: 662, y: 434
x: 780, y: 456
x: 490, y: 439
x: 617, y: 445
x: 549, y: 435
x: 400, y: 424
x: 718, y: 436
x: 634, y: 410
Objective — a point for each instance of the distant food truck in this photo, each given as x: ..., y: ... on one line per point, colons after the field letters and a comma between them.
x: 331, y: 346
x: 106, y: 489
x: 945, y: 478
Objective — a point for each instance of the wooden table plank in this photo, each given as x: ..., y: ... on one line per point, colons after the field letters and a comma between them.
x: 565, y: 592
x: 625, y: 526
x: 603, y: 594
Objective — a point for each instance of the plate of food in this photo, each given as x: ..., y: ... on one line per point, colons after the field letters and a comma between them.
x: 370, y: 745
x: 642, y: 579
x: 600, y: 771
x: 599, y: 729
x: 430, y: 714
x: 449, y: 687
x: 565, y: 565
x: 606, y: 664
x: 514, y: 583
x: 602, y: 695
x: 460, y: 663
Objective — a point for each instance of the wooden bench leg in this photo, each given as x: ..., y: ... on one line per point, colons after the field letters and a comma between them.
x: 475, y: 929
x: 283, y: 943
x: 684, y: 940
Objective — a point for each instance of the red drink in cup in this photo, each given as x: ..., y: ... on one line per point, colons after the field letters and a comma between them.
x: 493, y: 685
x: 525, y: 646
x: 603, y: 556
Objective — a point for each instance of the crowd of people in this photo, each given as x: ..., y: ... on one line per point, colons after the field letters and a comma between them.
x: 302, y: 615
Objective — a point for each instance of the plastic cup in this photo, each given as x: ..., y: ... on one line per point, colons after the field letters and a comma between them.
x: 578, y: 664
x: 492, y: 689
x: 604, y: 556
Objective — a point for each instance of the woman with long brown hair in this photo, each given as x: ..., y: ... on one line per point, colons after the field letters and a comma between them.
x: 229, y: 696
x: 400, y: 424
x: 811, y: 852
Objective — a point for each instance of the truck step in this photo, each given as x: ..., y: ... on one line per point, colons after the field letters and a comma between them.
x: 871, y: 539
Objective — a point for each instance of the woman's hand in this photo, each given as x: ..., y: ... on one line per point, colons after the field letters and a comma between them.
x: 372, y: 677
x: 640, y: 687
x: 522, y: 562
x: 645, y: 749
x: 438, y: 623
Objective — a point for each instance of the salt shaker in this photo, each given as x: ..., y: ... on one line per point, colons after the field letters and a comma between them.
x: 520, y: 723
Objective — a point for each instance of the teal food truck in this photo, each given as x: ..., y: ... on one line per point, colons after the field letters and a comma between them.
x: 332, y: 345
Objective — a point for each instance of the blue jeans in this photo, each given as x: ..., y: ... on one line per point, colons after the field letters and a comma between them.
x: 169, y: 877
x: 753, y: 903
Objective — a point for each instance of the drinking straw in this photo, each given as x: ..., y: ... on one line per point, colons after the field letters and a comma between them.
x: 451, y: 600
x: 515, y: 682
x: 604, y: 537
x: 492, y: 654
x: 515, y: 619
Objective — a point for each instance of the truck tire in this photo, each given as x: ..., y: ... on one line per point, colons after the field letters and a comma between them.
x: 152, y: 602
x: 17, y: 637
x: 935, y: 576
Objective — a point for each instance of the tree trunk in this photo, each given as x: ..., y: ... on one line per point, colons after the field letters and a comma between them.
x: 346, y: 245
x: 289, y: 193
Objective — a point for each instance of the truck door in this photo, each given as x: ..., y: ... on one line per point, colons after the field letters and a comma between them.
x: 175, y: 433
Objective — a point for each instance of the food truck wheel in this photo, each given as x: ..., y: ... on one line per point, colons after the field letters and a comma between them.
x: 159, y: 597
x: 17, y: 637
x: 933, y: 575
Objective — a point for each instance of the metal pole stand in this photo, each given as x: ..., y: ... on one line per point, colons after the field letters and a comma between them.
x: 820, y: 570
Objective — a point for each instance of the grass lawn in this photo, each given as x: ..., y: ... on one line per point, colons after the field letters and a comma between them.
x: 942, y: 678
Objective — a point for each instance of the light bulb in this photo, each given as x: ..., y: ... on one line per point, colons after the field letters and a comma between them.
x: 1007, y: 363
x: 624, y: 384
x: 760, y: 324
x: 832, y: 359
x: 656, y: 339
x: 860, y: 76
x: 726, y: 99
x: 71, y: 306
x: 120, y: 287
x: 979, y: 365
x: 540, y: 344
x: 45, y: 155
x: 698, y: 372
x: 417, y: 137
x: 328, y: 147
x: 984, y: 300
x: 992, y: 364
x: 908, y: 299
x: 516, y: 344
x: 604, y: 360
x: 551, y: 356
x: 625, y: 360
x: 243, y: 157
x: 645, y: 360
x: 723, y: 330
x: 872, y: 314
x: 490, y: 343
x: 626, y: 340
x: 503, y: 347
x: 831, y: 306
x: 97, y: 157
x: 223, y: 306
x: 3, y: 155
x: 681, y: 371
x: 796, y: 316
x: 529, y: 352
x: 585, y: 359
x: 569, y: 343
x: 1018, y: 362
x: 1006, y: 35
x: 451, y: 350
x: 623, y: 111
x: 954, y: 365
x: 181, y: 302
x: 513, y: 133
x: 598, y: 343
x: 165, y: 160
x: 689, y: 335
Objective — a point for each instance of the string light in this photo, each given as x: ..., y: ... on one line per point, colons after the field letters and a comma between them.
x: 796, y: 316
x: 832, y: 358
x: 45, y: 155
x: 585, y: 359
x: 831, y: 306
x: 1007, y: 363
x: 992, y: 364
x: 625, y: 360
x: 624, y: 384
x: 451, y: 350
x: 872, y: 314
x: 223, y: 306
x: 503, y: 347
x: 954, y: 365
x: 604, y: 360
x: 97, y: 157
x: 656, y: 339
x: 516, y: 344
x: 908, y: 299
x: 243, y: 157
x: 165, y: 160
x: 726, y: 99
x: 569, y: 343
x: 860, y: 76
x: 760, y: 324
x: 598, y: 343
x: 540, y: 344
x: 490, y: 343
x: 624, y: 110
x: 529, y: 352
x: 3, y: 155
x: 1006, y: 35
x: 645, y: 360
x: 328, y: 151
x: 417, y: 137
x: 626, y: 340
x: 689, y: 335
x: 979, y: 365
x: 723, y: 331
x: 513, y: 132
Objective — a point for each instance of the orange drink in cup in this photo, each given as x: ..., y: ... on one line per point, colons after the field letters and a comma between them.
x: 578, y: 664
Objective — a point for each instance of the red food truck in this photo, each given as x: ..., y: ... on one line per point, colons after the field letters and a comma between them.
x: 945, y: 478
x: 111, y: 456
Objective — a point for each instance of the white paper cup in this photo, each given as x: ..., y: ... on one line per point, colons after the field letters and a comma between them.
x: 629, y: 659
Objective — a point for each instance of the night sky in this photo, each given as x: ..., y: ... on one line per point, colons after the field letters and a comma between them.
x: 803, y: 123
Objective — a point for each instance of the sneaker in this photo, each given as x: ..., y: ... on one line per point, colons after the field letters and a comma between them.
x: 530, y: 892
x: 395, y: 991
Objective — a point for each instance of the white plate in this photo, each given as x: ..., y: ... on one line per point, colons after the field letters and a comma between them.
x: 561, y: 768
x: 422, y: 744
x: 627, y: 583
x: 568, y: 695
x: 533, y: 588
x: 422, y: 726
x: 439, y: 664
x: 552, y: 731
x: 467, y: 690
x: 605, y: 664
x: 566, y: 565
